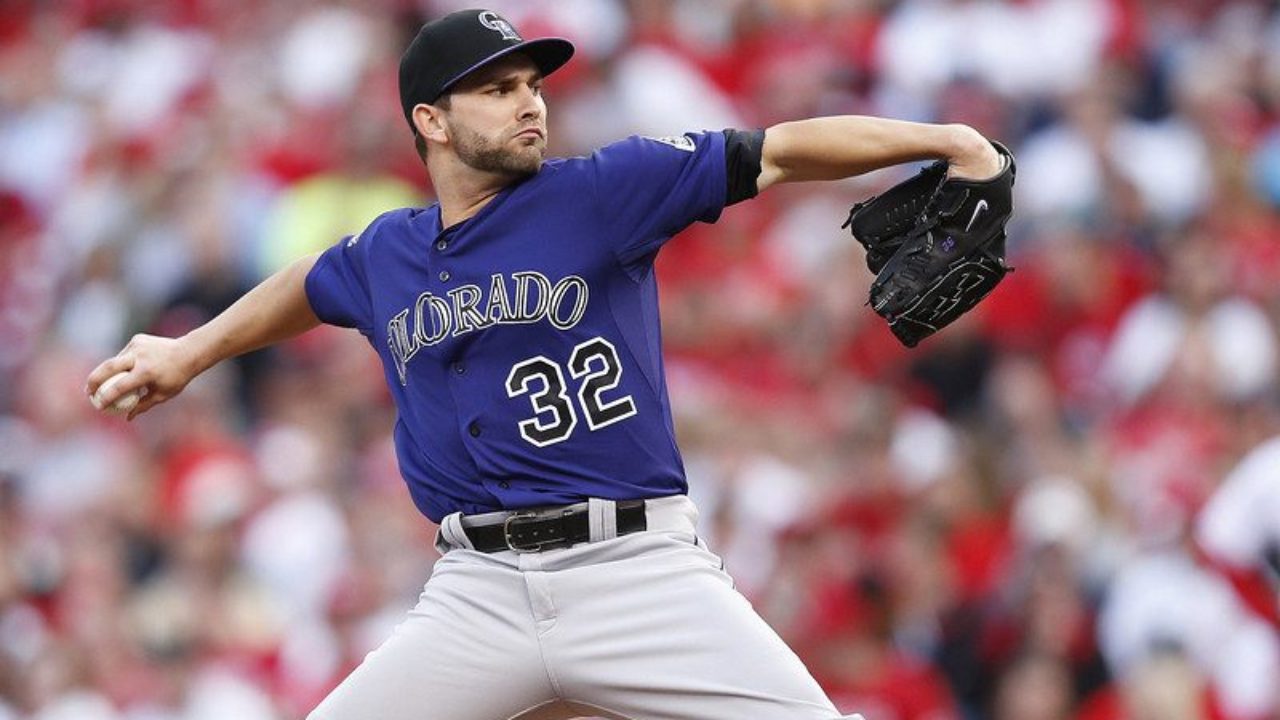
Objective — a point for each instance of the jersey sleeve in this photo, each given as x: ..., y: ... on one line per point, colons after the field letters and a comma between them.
x: 649, y: 189
x: 338, y: 285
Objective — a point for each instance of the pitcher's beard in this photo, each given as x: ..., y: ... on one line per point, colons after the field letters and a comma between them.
x: 483, y: 154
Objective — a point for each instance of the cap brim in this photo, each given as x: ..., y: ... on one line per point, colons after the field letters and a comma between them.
x: 549, y: 54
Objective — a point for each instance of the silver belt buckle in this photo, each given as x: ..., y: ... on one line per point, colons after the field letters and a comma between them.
x: 506, y: 532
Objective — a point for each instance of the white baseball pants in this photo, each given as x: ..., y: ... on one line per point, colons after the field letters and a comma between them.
x: 645, y: 626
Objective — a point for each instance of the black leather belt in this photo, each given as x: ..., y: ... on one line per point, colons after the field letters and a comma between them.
x: 538, y: 529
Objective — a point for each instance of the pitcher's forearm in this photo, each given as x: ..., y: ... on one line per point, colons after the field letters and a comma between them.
x: 277, y: 309
x: 831, y: 148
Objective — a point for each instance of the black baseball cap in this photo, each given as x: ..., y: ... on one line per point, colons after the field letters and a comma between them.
x: 448, y: 48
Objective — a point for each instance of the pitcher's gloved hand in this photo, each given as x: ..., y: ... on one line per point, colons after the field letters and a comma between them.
x: 937, y: 245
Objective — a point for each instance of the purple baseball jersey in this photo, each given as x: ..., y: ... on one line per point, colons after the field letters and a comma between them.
x: 522, y: 346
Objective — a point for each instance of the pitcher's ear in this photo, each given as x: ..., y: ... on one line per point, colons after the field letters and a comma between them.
x: 431, y: 122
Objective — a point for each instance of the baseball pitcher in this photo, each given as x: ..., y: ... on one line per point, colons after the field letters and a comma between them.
x: 517, y: 324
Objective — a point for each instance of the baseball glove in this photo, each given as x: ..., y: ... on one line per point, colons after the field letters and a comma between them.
x: 936, y: 244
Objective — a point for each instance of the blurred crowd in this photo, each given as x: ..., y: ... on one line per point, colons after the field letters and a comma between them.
x: 1064, y: 507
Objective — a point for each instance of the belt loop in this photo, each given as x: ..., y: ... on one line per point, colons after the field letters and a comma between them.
x: 451, y: 531
x: 602, y: 519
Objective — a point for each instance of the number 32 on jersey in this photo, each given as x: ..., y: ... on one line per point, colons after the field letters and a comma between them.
x: 595, y: 366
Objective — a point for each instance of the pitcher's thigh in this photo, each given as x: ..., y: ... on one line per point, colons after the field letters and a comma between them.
x: 675, y: 640
x: 466, y: 652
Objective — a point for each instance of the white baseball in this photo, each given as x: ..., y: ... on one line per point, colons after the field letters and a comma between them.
x: 124, y: 404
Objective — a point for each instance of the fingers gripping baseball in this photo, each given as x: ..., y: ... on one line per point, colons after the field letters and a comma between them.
x: 148, y: 371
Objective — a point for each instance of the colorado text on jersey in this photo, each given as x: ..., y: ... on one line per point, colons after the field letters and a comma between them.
x: 468, y: 307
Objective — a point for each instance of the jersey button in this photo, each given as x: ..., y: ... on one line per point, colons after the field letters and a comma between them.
x: 444, y: 276
x: 473, y: 430
x: 504, y: 485
x: 442, y: 245
x: 459, y: 368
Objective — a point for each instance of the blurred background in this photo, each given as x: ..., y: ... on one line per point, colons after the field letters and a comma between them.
x: 1065, y: 506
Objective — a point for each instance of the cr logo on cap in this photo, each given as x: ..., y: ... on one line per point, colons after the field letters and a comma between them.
x: 493, y: 21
